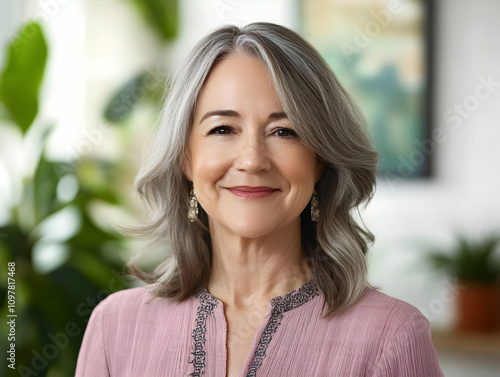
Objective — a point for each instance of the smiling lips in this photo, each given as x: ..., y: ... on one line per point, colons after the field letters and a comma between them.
x: 252, y: 192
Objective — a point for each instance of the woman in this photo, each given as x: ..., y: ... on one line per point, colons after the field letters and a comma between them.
x: 259, y: 161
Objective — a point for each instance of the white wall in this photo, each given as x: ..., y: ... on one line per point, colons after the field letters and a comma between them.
x: 463, y: 198
x: 198, y: 17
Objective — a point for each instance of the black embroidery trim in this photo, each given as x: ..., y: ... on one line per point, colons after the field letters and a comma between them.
x: 280, y: 305
x: 295, y: 298
x: 208, y: 303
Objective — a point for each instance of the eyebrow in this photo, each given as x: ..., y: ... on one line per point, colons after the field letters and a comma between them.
x: 235, y: 114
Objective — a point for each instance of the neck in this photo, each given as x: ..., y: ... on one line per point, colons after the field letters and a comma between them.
x: 248, y: 272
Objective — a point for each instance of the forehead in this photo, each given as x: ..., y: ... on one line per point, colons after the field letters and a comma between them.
x: 238, y: 81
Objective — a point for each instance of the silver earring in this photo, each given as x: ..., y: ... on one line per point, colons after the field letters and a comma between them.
x: 314, y: 207
x: 193, y: 206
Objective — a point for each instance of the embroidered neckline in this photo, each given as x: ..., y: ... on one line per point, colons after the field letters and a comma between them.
x: 280, y: 304
x: 206, y: 308
x: 295, y: 298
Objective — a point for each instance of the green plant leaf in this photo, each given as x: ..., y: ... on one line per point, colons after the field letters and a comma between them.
x: 162, y: 15
x: 123, y: 101
x: 96, y: 177
x: 15, y: 242
x: 45, y: 189
x: 469, y: 260
x: 147, y: 85
x: 21, y: 78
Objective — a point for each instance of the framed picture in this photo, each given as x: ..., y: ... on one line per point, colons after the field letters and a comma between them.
x: 381, y: 52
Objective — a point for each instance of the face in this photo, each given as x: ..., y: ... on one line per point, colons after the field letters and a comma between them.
x: 251, y: 173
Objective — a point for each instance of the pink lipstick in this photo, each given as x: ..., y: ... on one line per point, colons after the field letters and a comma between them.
x: 252, y: 192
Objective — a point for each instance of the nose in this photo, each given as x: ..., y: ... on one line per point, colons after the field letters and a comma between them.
x: 253, y: 154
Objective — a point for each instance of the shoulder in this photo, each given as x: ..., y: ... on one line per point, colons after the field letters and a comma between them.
x: 398, y: 333
x: 405, y: 347
x: 377, y: 317
x: 138, y: 304
x: 124, y: 326
x: 399, y: 317
x: 388, y: 313
x: 136, y: 316
x: 127, y: 299
x: 380, y: 305
x: 123, y: 303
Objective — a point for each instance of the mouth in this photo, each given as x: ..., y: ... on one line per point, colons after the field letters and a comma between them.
x: 252, y: 192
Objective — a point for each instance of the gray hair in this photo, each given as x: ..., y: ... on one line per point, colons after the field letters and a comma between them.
x: 326, y: 120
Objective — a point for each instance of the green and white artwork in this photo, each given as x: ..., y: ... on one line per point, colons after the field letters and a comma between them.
x: 379, y: 50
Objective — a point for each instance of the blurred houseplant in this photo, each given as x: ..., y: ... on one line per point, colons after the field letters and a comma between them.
x: 148, y: 84
x: 476, y: 267
x: 66, y: 260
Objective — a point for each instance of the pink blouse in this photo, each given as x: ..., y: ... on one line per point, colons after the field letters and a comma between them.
x: 129, y: 334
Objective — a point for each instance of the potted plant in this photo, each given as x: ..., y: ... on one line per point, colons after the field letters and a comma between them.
x: 475, y: 265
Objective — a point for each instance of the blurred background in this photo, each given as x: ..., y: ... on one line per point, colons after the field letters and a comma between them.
x: 80, y: 90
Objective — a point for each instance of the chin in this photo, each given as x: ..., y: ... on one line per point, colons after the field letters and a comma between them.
x: 253, y: 228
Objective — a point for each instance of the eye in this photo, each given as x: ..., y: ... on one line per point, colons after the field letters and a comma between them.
x: 285, y: 132
x: 220, y: 130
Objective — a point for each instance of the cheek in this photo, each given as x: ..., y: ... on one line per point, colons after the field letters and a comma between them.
x: 297, y: 166
x: 209, y: 165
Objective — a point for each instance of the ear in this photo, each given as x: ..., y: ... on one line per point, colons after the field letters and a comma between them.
x: 187, y: 168
x: 320, y: 167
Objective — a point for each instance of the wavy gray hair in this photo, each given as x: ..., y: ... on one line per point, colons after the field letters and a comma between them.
x: 326, y: 120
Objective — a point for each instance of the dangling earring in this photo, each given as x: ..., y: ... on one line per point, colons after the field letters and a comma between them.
x: 193, y: 206
x: 314, y: 207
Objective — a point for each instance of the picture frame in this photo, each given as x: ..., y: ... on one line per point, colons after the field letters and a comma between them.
x: 381, y: 52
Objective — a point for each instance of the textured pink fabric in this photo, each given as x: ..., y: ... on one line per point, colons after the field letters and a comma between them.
x: 131, y: 335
